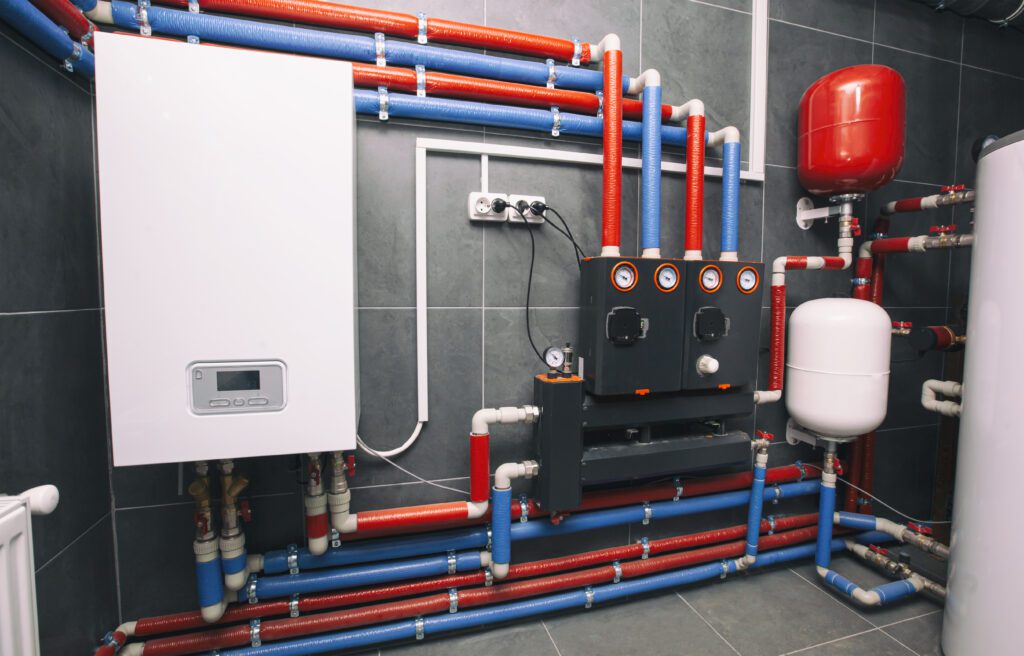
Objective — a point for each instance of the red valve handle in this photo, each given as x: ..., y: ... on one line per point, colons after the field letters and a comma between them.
x: 878, y: 550
x: 855, y: 227
x: 942, y: 229
x: 919, y: 528
x: 245, y: 511
x: 765, y: 435
x: 949, y: 188
x: 350, y: 463
x: 902, y: 324
x: 838, y: 465
x: 201, y: 523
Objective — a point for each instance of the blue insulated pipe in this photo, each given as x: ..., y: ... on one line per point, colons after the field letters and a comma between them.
x: 730, y: 197
x: 501, y: 520
x: 40, y: 30
x: 857, y: 521
x: 650, y: 207
x: 826, y: 508
x: 756, y: 502
x: 578, y: 599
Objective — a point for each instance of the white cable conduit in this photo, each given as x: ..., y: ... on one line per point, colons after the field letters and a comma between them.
x: 930, y: 390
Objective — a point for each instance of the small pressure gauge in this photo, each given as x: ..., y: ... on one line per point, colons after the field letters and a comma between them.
x: 667, y: 277
x: 624, y: 276
x: 554, y: 357
x: 710, y: 278
x: 747, y: 280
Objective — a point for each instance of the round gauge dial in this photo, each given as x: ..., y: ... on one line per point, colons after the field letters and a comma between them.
x: 667, y: 277
x: 710, y: 278
x: 554, y: 357
x: 747, y: 280
x: 624, y: 276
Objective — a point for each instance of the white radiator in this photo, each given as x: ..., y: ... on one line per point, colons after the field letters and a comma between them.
x: 19, y: 630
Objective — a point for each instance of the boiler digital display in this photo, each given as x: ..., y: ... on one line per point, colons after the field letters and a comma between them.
x: 234, y: 381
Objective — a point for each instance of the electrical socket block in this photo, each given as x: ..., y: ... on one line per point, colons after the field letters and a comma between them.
x: 479, y: 207
x: 513, y: 216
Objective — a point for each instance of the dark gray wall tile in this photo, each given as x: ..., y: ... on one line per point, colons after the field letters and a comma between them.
x: 853, y: 18
x: 77, y: 594
x: 997, y: 49
x: 917, y: 27
x: 53, y: 419
x: 796, y: 58
x: 989, y: 104
x: 905, y: 471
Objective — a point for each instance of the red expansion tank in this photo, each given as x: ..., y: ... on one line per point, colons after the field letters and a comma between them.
x: 852, y: 130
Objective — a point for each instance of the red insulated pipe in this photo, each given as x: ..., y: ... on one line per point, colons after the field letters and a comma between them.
x: 777, y: 349
x: 833, y: 262
x: 479, y: 467
x: 611, y: 207
x: 694, y: 182
x: 322, y: 622
x: 878, y: 279
x: 347, y: 17
x: 317, y: 526
x: 909, y: 204
x: 67, y: 15
x: 863, y: 271
x: 890, y: 245
x: 405, y: 516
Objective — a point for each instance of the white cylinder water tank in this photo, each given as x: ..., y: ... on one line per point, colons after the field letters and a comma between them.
x: 837, y: 366
x: 986, y: 569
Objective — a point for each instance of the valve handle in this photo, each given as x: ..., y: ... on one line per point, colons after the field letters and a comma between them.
x: 949, y: 188
x: 878, y: 550
x: 902, y: 324
x: 350, y: 465
x: 919, y: 528
x: 765, y: 435
x: 838, y: 465
x: 942, y: 229
x: 245, y: 511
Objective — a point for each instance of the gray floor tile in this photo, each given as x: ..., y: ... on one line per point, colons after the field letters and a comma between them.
x: 515, y: 640
x: 873, y: 643
x: 756, y: 613
x: 866, y: 577
x: 654, y: 626
x: 921, y: 634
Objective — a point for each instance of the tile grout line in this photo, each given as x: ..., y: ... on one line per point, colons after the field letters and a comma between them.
x: 911, y: 619
x: 703, y: 619
x: 723, y: 7
x: 830, y: 642
x: 898, y: 642
x: 551, y: 638
x: 34, y: 312
x: 72, y: 543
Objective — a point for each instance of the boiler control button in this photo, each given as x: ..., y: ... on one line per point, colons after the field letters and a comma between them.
x: 219, y: 403
x: 239, y: 401
x: 259, y: 400
x: 706, y: 365
x: 710, y: 323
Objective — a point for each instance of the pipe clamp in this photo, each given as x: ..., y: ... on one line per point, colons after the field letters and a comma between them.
x: 524, y: 510
x: 254, y: 633
x: 600, y: 103
x: 679, y: 489
x: 577, y: 51
x: 771, y: 524
x: 453, y: 600
x: 778, y: 494
x: 490, y: 536
x: 193, y: 6
x: 421, y: 81
x: 452, y: 563
x: 419, y: 628
x: 335, y: 538
x: 421, y: 27
x: 590, y: 596
x: 488, y: 578
x: 293, y: 606
x: 725, y: 570
x: 293, y: 559
x: 552, y: 75
x: 142, y: 16
x: 380, y: 48
x: 556, y: 122
x: 803, y: 470
x: 648, y: 513
x: 860, y: 281
x: 111, y: 639
x: 76, y: 53
x: 646, y: 544
x: 382, y: 99
x: 250, y: 589
x: 618, y: 572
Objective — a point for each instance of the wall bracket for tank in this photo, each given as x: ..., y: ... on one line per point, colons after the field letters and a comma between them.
x: 797, y: 434
x: 807, y: 213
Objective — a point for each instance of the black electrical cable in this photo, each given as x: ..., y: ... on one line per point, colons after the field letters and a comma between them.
x: 568, y: 231
x: 529, y: 283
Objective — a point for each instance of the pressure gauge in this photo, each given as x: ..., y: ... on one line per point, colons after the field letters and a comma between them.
x: 554, y: 357
x: 710, y: 278
x: 747, y: 280
x: 624, y: 276
x: 667, y: 277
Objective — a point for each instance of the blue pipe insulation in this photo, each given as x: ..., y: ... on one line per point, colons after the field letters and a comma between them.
x: 284, y: 38
x: 858, y: 521
x: 233, y: 565
x: 403, y: 105
x: 887, y: 592
x: 754, y: 510
x: 465, y: 619
x: 40, y: 30
x: 826, y: 508
x: 209, y: 583
x: 730, y: 197
x: 276, y: 562
x: 650, y: 207
x: 352, y: 577
x: 501, y: 520
x: 84, y: 5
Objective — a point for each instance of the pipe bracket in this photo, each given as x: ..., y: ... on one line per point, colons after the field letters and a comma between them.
x: 421, y: 81
x: 725, y: 570
x: 453, y: 563
x: 382, y: 96
x: 860, y: 281
x: 111, y: 639
x: 524, y: 510
x: 488, y: 578
x: 577, y: 51
x: 646, y: 544
x: 419, y: 628
x: 250, y: 589
x: 556, y: 122
x: 648, y: 513
x: 380, y: 49
x: 778, y: 494
x: 293, y: 559
x: 771, y: 524
x: 192, y: 39
x: 453, y: 600
x: 421, y: 27
x: 600, y: 103
x: 803, y: 470
x: 193, y: 6
x: 142, y: 16
x: 335, y: 538
x: 254, y: 633
x: 618, y: 572
x: 293, y: 605
x: 590, y: 596
x: 679, y: 489
x: 552, y: 75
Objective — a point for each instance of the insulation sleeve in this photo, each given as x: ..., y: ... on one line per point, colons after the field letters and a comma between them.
x: 694, y: 183
x: 501, y: 526
x: 908, y: 205
x: 479, y: 467
x: 535, y: 587
x: 840, y: 583
x: 611, y: 205
x: 650, y: 218
x: 493, y: 38
x: 856, y: 521
x: 333, y: 642
x: 731, y: 155
x: 888, y: 592
x: 943, y: 337
x: 410, y: 515
x: 833, y: 262
x: 878, y: 279
x: 233, y: 565
x: 777, y: 348
x: 826, y: 507
x: 890, y: 245
x: 796, y: 262
x: 40, y: 30
x: 754, y: 511
x: 317, y: 526
x: 67, y: 15
x: 208, y: 582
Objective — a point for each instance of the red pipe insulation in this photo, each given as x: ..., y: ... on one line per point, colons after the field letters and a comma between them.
x: 479, y: 467
x: 67, y: 15
x: 348, y: 17
x: 611, y: 207
x: 890, y: 245
x: 777, y: 348
x: 694, y: 183
x: 805, y: 526
x: 317, y: 526
x: 407, y: 515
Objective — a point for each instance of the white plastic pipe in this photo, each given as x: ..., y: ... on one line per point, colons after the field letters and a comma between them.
x: 609, y: 43
x: 930, y: 390
x: 649, y: 78
x: 693, y: 107
x: 484, y: 417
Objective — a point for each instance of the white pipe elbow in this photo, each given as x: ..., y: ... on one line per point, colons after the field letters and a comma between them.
x: 499, y: 570
x: 890, y: 527
x: 476, y: 509
x: 134, y: 649
x: 762, y: 397
x: 485, y: 559
x: 349, y: 525
x: 609, y: 43
x: 865, y: 250
x: 128, y: 629
x: 609, y: 251
x: 504, y: 474
x: 649, y: 78
x: 930, y: 390
x: 213, y: 612
x: 728, y: 134
x: 693, y: 107
x: 254, y: 563
x: 483, y: 418
x: 103, y: 12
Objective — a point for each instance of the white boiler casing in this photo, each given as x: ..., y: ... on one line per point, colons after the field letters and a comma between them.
x: 837, y: 366
x: 986, y: 571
